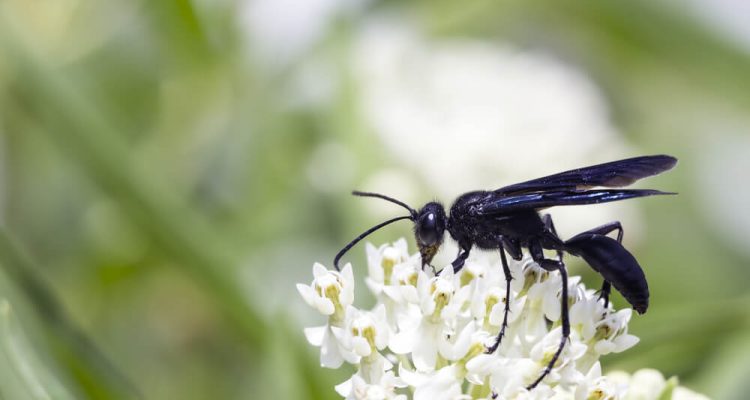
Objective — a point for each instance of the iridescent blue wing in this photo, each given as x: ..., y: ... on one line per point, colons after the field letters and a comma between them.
x: 612, y: 174
x: 501, y: 204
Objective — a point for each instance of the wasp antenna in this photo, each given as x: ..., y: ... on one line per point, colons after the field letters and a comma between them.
x: 412, y: 211
x: 364, y: 235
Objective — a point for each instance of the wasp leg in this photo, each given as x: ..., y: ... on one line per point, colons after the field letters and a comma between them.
x: 607, y: 228
x: 604, y: 293
x: 463, y: 254
x: 550, y: 226
x: 508, y: 278
x: 604, y: 230
x: 512, y: 247
x: 535, y: 248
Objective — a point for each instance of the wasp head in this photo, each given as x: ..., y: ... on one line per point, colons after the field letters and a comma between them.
x: 429, y: 228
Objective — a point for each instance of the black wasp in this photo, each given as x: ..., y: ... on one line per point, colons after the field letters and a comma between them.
x: 508, y: 219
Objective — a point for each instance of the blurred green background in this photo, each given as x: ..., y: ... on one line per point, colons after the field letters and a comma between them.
x: 169, y: 170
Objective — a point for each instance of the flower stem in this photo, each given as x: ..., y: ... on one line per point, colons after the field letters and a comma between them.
x: 93, y: 373
x: 84, y: 134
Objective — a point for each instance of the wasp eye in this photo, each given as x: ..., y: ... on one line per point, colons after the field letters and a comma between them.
x: 428, y: 229
x: 428, y: 221
x: 429, y: 226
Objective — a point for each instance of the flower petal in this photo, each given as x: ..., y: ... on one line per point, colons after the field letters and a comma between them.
x: 330, y: 356
x: 307, y: 293
x: 625, y: 342
x: 361, y: 346
x: 324, y: 305
x: 604, y: 347
x: 319, y: 270
x: 403, y: 342
x: 315, y: 335
x: 344, y: 388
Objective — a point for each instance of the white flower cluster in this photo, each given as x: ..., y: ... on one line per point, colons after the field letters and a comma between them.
x: 437, y: 327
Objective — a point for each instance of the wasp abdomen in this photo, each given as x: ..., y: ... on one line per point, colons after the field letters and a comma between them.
x: 609, y: 258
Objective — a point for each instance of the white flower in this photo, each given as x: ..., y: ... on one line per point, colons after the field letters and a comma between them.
x: 564, y: 369
x: 331, y: 291
x: 392, y: 278
x: 469, y: 343
x: 382, y: 260
x: 649, y: 384
x: 646, y: 384
x: 332, y: 352
x: 597, y: 387
x: 542, y: 302
x: 612, y: 332
x: 365, y: 332
x: 436, y: 295
x: 439, y: 327
x: 423, y: 343
x: 683, y: 393
x: 404, y: 287
x: 586, y: 313
x: 440, y: 302
x: 373, y: 380
x: 488, y: 305
x: 510, y: 376
x: 357, y: 388
x: 437, y: 385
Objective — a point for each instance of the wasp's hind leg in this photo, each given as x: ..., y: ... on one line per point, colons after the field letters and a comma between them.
x: 550, y: 227
x: 604, y: 293
x: 535, y: 248
x: 605, y: 230
x: 508, y: 278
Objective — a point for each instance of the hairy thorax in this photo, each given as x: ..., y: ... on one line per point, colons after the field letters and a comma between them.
x: 466, y: 225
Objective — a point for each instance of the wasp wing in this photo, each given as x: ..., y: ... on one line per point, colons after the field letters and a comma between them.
x: 612, y: 174
x: 502, y: 204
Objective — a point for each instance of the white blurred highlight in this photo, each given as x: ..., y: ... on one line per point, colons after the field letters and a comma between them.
x: 284, y: 29
x: 394, y: 183
x: 469, y: 115
x: 727, y: 17
x: 331, y: 168
x: 725, y: 200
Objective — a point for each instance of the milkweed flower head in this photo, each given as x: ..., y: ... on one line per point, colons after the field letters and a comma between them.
x: 426, y: 336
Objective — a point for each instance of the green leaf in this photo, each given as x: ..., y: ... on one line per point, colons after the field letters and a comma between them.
x: 669, y: 387
x: 22, y: 374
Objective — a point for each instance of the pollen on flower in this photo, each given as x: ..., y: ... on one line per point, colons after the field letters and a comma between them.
x: 603, y: 331
x: 391, y: 257
x: 492, y: 299
x: 409, y: 279
x: 437, y: 328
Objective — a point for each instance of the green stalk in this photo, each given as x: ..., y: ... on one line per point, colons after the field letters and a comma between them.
x: 94, y: 375
x: 74, y: 124
x: 84, y: 135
